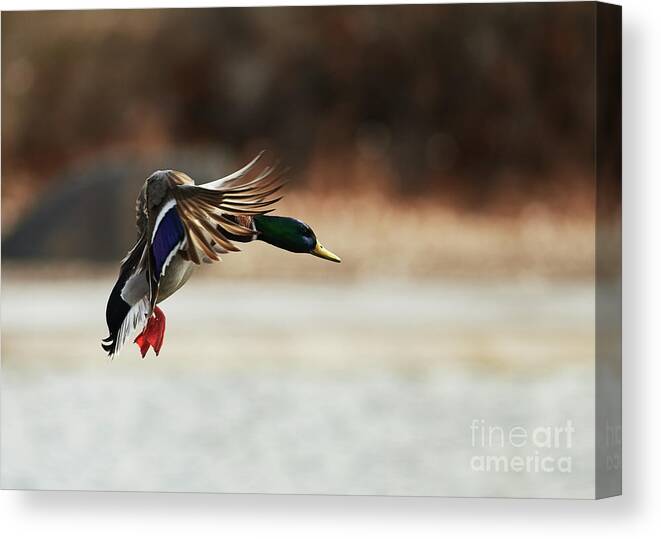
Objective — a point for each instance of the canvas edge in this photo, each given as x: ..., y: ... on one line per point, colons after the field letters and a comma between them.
x: 608, y: 250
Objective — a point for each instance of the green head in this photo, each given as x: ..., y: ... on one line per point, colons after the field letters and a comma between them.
x: 292, y: 235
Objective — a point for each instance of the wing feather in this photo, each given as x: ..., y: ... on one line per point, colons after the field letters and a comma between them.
x: 201, y: 242
x: 227, y: 180
x: 206, y: 209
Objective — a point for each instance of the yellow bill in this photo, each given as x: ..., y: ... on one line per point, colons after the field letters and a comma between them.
x: 320, y: 251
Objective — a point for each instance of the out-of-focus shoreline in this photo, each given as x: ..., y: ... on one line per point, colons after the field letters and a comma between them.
x: 381, y: 239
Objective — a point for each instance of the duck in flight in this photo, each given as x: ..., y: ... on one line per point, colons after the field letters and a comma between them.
x: 181, y: 225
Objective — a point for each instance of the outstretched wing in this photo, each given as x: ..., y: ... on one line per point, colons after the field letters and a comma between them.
x: 211, y: 213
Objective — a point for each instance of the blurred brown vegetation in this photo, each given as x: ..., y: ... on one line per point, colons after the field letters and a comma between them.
x: 474, y: 110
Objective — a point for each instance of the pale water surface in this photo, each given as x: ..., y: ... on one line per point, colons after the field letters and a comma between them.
x: 317, y: 388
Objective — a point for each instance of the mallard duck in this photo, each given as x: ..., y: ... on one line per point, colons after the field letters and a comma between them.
x: 181, y: 225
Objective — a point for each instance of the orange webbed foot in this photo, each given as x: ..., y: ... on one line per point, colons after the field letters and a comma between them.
x: 152, y: 335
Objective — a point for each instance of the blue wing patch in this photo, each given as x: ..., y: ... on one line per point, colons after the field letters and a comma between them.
x: 169, y: 233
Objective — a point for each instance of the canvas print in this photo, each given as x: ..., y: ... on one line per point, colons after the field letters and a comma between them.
x: 315, y: 250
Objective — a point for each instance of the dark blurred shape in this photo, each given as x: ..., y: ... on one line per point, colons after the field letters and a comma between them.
x: 91, y: 215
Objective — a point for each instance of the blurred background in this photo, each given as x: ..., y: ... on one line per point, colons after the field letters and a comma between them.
x: 446, y: 153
